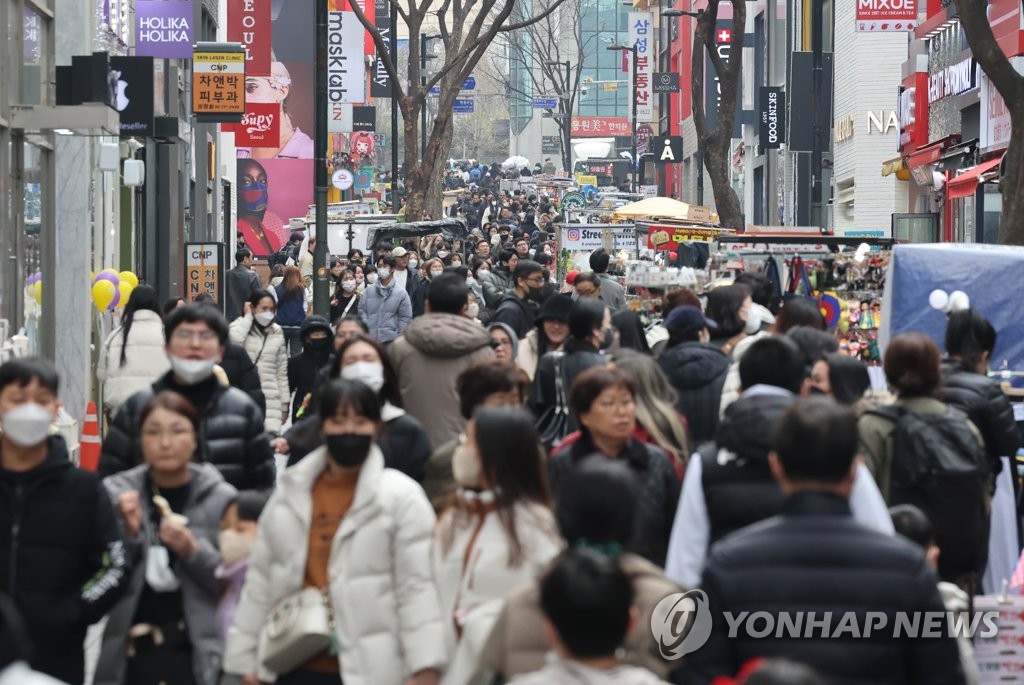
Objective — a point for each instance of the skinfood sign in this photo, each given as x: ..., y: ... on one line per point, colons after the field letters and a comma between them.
x: 953, y: 80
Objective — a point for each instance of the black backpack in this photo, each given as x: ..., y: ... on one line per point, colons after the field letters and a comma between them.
x: 939, y: 466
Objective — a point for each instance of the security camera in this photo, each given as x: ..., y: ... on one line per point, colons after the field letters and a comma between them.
x: 583, y: 90
x: 133, y: 144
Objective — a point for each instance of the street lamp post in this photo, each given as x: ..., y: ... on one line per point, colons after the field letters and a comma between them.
x: 700, y: 145
x: 393, y: 54
x: 636, y: 164
x: 566, y: 122
x: 321, y: 290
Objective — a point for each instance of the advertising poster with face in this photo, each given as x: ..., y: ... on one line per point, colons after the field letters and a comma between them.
x: 275, y: 180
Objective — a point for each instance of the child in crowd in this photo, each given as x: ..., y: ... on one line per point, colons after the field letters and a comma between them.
x: 236, y: 543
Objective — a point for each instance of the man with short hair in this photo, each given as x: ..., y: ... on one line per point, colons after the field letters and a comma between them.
x: 231, y: 435
x: 383, y: 306
x: 842, y: 577
x: 63, y: 561
x: 407, y: 278
x: 433, y: 351
x: 728, y: 485
x: 483, y: 248
x: 242, y: 283
x: 499, y: 281
x: 513, y: 309
x: 522, y: 247
x: 612, y: 293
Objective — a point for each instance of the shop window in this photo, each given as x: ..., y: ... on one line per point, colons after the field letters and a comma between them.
x: 915, y: 228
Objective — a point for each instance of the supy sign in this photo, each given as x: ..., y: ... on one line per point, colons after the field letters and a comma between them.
x: 260, y: 127
x: 886, y: 15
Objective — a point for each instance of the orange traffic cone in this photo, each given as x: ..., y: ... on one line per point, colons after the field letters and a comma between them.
x: 89, y: 452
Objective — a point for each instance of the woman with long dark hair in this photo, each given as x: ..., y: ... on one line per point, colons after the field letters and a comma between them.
x: 550, y: 332
x: 292, y: 307
x: 346, y: 295
x: 604, y: 400
x: 497, y: 535
x: 133, y: 354
x: 729, y: 306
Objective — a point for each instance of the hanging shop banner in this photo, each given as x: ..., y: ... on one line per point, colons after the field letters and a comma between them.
x: 163, y: 28
x: 886, y: 15
x: 995, y: 115
x: 364, y: 118
x: 593, y: 238
x: 600, y: 127
x: 380, y: 82
x: 218, y: 85
x: 666, y: 149
x: 345, y: 82
x: 771, y: 117
x: 641, y: 34
x: 666, y: 238
x: 369, y: 8
x: 713, y: 85
x: 260, y: 127
x: 202, y: 270
x: 249, y: 24
x: 133, y: 98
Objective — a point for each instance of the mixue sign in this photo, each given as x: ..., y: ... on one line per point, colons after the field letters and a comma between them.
x: 886, y: 15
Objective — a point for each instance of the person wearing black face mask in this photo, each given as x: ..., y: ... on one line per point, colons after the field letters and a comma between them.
x: 303, y: 369
x: 513, y: 308
x: 354, y: 506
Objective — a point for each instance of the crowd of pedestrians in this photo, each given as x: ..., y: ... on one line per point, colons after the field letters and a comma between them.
x: 471, y: 473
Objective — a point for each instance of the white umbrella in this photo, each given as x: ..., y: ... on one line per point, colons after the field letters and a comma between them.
x: 516, y: 162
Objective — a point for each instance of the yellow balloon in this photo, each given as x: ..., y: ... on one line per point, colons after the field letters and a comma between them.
x: 92, y: 276
x: 103, y: 294
x: 37, y: 292
x: 125, y: 289
x: 129, y: 277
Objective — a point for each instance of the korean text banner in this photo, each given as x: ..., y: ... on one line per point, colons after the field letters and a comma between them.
x: 641, y: 34
x: 163, y: 28
x: 249, y: 24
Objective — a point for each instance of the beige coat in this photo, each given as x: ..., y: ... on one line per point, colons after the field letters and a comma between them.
x: 145, y: 360
x: 269, y: 353
x: 528, y: 355
x: 517, y: 643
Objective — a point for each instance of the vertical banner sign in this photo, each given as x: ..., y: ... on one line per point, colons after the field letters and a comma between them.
x: 218, y: 86
x: 712, y: 84
x: 889, y: 16
x: 345, y: 82
x: 163, y: 28
x: 641, y: 34
x: 380, y: 84
x: 249, y: 24
x: 369, y: 8
x: 202, y: 269
x: 772, y: 117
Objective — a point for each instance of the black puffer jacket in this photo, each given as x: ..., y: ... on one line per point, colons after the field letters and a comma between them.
x: 544, y: 391
x: 815, y: 558
x: 62, y: 558
x: 738, y: 486
x: 242, y: 374
x: 697, y: 371
x: 231, y: 436
x: 515, y: 312
x: 986, y: 406
x: 657, y: 490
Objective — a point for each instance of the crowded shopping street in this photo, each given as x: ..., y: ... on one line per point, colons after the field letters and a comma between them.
x: 567, y: 342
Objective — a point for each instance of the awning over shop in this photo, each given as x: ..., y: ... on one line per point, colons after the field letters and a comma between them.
x: 966, y: 183
x: 893, y: 166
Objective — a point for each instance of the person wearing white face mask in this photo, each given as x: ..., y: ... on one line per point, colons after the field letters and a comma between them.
x: 63, y: 556
x: 164, y: 628
x: 404, y: 444
x: 232, y: 436
x: 265, y: 344
x: 346, y: 295
x: 385, y: 307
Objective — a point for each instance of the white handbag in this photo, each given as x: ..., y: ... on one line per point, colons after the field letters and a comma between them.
x: 299, y: 627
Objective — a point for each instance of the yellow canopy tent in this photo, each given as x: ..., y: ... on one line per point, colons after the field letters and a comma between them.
x: 663, y: 207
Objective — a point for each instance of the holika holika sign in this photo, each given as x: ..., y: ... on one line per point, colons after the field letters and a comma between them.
x: 163, y: 28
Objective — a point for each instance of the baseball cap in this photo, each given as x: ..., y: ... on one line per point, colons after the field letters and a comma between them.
x: 688, y: 319
x: 399, y: 252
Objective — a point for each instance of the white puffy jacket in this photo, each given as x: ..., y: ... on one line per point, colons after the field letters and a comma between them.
x: 145, y: 360
x: 269, y: 354
x: 384, y: 601
x: 473, y: 573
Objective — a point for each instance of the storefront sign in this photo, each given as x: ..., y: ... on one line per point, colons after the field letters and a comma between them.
x: 593, y: 238
x: 666, y: 82
x: 549, y: 145
x: 713, y: 85
x: 369, y: 9
x: 218, y: 85
x: 364, y: 118
x: 134, y: 94
x: 995, y: 116
x: 667, y: 149
x: 249, y: 24
x: 913, y: 112
x: 345, y: 82
x: 641, y: 34
x: 163, y: 28
x: 772, y: 117
x: 953, y: 80
x: 886, y: 15
x: 597, y: 127
x: 202, y: 269
x: 667, y: 238
x: 260, y: 127
x: 380, y: 82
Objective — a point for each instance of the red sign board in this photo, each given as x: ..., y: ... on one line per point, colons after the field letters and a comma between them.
x: 369, y: 9
x: 249, y: 24
x: 886, y: 15
x: 598, y: 127
x: 260, y: 127
x: 667, y: 238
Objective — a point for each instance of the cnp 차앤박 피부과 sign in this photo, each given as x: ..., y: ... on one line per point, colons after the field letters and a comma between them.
x: 218, y: 85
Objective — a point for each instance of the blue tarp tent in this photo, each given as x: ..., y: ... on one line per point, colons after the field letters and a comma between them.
x: 991, y: 275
